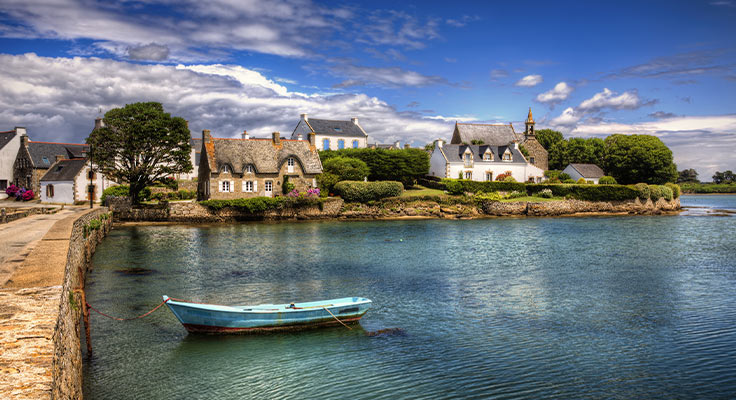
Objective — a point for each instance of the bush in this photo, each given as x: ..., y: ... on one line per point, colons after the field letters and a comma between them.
x: 363, y: 192
x: 287, y: 186
x: 564, y: 176
x: 568, y: 181
x: 493, y: 196
x: 405, y: 165
x: 180, y: 195
x: 509, y: 178
x: 476, y: 187
x: 545, y: 194
x: 515, y: 195
x: 253, y: 205
x: 694, y: 187
x: 676, y: 191
x: 124, y: 191
x: 644, y: 191
x: 581, y: 181
x: 607, y: 180
x: 660, y: 192
x: 587, y: 192
x: 454, y: 187
x: 347, y: 168
x: 326, y: 182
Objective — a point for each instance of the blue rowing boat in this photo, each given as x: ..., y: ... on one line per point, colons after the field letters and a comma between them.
x: 211, y: 318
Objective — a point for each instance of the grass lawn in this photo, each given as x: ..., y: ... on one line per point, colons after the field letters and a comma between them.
x: 532, y: 199
x: 419, y: 190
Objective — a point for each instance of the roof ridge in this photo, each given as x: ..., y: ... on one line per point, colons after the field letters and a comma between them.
x: 67, y: 144
x: 474, y: 123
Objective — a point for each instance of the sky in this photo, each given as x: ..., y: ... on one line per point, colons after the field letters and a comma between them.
x: 407, y: 70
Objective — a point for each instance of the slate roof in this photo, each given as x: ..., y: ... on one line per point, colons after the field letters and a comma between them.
x: 454, y: 153
x: 6, y: 137
x: 39, y: 150
x: 329, y: 127
x: 490, y: 134
x: 263, y: 155
x: 65, y: 170
x: 588, y: 170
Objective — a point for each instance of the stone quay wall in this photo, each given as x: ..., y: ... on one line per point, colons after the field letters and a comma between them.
x: 8, y: 214
x: 67, y: 362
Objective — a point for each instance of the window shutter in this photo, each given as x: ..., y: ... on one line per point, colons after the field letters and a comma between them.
x: 232, y: 186
x: 255, y: 186
x: 219, y: 184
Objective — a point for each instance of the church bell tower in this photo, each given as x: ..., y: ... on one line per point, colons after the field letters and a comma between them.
x: 529, y: 124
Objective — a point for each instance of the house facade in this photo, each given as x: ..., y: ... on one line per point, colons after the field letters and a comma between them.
x: 503, y: 135
x: 481, y: 162
x: 34, y: 159
x: 67, y: 182
x: 330, y: 134
x: 589, y: 172
x: 9, y: 146
x: 243, y: 168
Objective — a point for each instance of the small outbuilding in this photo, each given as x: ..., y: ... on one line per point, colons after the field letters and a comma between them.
x: 589, y: 172
x: 67, y: 181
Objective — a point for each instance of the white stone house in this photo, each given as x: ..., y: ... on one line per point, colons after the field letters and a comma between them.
x: 330, y: 134
x: 589, y: 172
x: 481, y: 162
x: 67, y: 182
x: 9, y: 146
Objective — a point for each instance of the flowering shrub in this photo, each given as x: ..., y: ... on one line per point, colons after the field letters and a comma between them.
x: 310, y: 193
x: 27, y: 195
x: 12, y: 190
x: 545, y: 194
x: 19, y: 193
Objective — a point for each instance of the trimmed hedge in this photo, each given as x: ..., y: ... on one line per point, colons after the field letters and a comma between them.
x: 180, y: 195
x: 586, y: 192
x: 363, y: 192
x: 658, y: 192
x: 475, y: 186
x: 607, y: 180
x: 253, y: 205
x: 676, y: 191
x: 124, y: 191
x: 693, y: 187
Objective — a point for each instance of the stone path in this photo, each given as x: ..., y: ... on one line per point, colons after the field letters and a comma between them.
x: 18, y: 238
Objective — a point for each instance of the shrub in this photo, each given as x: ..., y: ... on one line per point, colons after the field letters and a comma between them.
x: 405, y: 165
x: 676, y: 191
x: 587, y: 192
x: 287, y: 186
x: 644, y: 191
x: 12, y: 190
x: 363, y: 192
x: 253, y: 205
x: 123, y: 191
x: 565, y: 176
x: 347, y: 168
x: 493, y: 196
x: 509, y: 178
x: 454, y: 187
x: 660, y: 192
x: 607, y: 180
x: 581, y: 181
x: 476, y: 187
x: 545, y: 194
x: 515, y: 195
x: 568, y: 180
x: 326, y: 182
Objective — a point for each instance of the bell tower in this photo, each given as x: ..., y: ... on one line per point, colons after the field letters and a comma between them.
x: 529, y: 124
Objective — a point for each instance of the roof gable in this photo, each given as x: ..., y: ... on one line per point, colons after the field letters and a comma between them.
x: 43, y: 154
x: 455, y: 152
x: 263, y: 155
x: 489, y: 134
x: 336, y: 128
x: 65, y: 170
x: 588, y: 170
x: 6, y: 137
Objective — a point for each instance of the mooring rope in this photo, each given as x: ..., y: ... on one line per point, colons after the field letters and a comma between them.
x: 127, y: 319
x: 338, y: 319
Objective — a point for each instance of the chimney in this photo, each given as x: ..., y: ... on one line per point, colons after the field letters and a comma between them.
x: 24, y: 140
x: 354, y: 120
x: 276, y: 138
x: 59, y: 158
x: 516, y: 144
x: 406, y: 145
x: 299, y: 136
x: 439, y: 142
x: 397, y: 145
x: 312, y: 139
x: 304, y: 117
x: 206, y: 137
x: 245, y: 135
x: 19, y: 130
x: 99, y: 123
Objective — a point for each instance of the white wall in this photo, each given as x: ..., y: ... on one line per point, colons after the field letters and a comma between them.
x: 438, y: 164
x: 82, y: 181
x: 195, y: 166
x: 575, y: 175
x: 520, y: 172
x: 362, y: 142
x: 7, y: 158
x: 63, y: 192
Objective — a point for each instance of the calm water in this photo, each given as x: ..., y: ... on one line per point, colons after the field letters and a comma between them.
x: 606, y: 307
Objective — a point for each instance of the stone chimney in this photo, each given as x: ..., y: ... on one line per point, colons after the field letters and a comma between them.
x: 206, y: 137
x: 354, y: 120
x: 24, y: 140
x: 20, y: 130
x: 305, y: 117
x: 276, y: 138
x: 245, y: 135
x: 312, y: 139
x: 99, y: 123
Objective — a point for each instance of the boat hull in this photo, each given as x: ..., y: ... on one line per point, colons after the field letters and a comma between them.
x: 267, y: 318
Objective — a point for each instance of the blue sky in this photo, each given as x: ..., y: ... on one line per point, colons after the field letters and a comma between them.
x: 407, y: 70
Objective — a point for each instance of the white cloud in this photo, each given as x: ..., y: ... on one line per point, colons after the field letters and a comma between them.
x: 392, y: 77
x: 457, y: 118
x: 609, y: 99
x: 560, y: 92
x: 58, y: 98
x: 568, y: 118
x: 529, y: 81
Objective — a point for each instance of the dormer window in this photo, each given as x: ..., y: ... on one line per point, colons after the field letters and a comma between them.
x: 45, y: 160
x: 507, y: 156
x: 248, y: 169
x: 226, y: 169
x: 488, y: 156
x: 468, y: 159
x: 338, y: 129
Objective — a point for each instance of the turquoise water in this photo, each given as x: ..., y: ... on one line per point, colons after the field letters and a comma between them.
x: 532, y: 308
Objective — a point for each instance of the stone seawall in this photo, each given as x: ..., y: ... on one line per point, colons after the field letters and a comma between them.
x: 67, y: 364
x: 575, y: 207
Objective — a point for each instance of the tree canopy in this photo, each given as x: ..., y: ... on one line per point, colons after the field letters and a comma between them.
x: 638, y: 158
x: 724, y: 177
x: 548, y: 137
x: 346, y: 168
x: 405, y: 165
x: 687, y: 175
x: 140, y: 144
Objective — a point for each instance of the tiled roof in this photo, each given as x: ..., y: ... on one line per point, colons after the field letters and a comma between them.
x: 263, y: 155
x: 48, y: 151
x: 328, y: 127
x: 65, y: 170
x: 454, y: 152
x: 588, y: 170
x: 6, y: 137
x: 490, y: 134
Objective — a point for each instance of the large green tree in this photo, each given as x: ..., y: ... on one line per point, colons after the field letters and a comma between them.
x: 688, y: 175
x: 140, y: 144
x: 346, y: 168
x: 638, y: 158
x: 548, y: 137
x: 405, y: 165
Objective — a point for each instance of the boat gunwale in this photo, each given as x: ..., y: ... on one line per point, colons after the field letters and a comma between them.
x: 245, y: 309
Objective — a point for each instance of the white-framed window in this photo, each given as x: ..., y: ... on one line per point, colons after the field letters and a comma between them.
x: 227, y: 186
x: 469, y: 175
x: 489, y: 176
x: 507, y: 156
x: 488, y: 156
x: 226, y: 169
x: 248, y: 169
x: 248, y: 186
x: 268, y: 186
x: 290, y: 165
x: 468, y: 158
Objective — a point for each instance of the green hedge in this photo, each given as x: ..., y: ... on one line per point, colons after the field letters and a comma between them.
x: 676, y: 191
x: 693, y: 187
x: 363, y: 192
x: 586, y: 192
x: 180, y: 195
x: 253, y: 205
x: 658, y: 192
x: 475, y: 186
x: 123, y: 191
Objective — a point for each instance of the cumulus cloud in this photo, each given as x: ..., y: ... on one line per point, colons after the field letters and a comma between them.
x: 609, y: 99
x: 568, y: 118
x: 149, y: 52
x: 57, y: 99
x: 557, y: 94
x: 391, y: 77
x: 661, y: 115
x: 529, y: 81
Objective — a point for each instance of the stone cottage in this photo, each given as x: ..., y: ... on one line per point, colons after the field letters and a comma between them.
x: 67, y: 181
x: 330, y: 134
x: 9, y: 146
x: 503, y: 135
x: 35, y: 158
x: 249, y: 167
